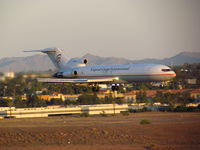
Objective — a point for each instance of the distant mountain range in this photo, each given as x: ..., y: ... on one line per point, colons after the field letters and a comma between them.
x: 42, y: 62
x: 24, y: 64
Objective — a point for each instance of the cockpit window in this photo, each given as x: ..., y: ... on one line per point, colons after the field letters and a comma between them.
x: 166, y: 70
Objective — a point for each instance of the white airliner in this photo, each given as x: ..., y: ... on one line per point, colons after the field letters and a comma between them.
x: 77, y: 70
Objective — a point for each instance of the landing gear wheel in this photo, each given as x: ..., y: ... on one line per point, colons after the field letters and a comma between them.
x: 95, y: 88
x: 115, y: 87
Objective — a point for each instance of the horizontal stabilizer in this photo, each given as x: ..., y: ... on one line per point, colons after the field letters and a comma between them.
x: 46, y: 50
x: 56, y: 55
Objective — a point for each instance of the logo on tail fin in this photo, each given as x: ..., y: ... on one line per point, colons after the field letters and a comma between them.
x: 58, y: 58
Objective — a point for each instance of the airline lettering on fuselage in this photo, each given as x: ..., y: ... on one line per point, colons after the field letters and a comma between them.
x: 110, y: 69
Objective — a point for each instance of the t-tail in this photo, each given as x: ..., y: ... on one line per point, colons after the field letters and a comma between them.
x: 56, y: 55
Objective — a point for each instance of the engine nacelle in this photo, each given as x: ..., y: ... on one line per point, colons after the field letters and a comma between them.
x: 66, y: 74
x: 58, y: 75
x: 85, y: 61
x: 77, y: 62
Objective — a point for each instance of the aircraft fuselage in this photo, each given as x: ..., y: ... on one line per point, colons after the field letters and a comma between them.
x: 125, y: 72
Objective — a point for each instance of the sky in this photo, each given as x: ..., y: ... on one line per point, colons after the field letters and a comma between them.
x: 133, y: 29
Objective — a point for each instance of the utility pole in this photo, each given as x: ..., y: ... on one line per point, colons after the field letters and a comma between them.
x: 115, y: 88
x: 114, y: 96
x: 4, y: 90
x: 17, y: 85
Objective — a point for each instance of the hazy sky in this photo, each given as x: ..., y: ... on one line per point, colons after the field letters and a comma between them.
x: 133, y: 29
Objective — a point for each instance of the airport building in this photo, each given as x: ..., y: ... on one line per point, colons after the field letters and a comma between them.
x: 12, y: 112
x: 63, y: 97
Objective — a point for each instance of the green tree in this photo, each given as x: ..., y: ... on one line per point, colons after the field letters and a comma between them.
x: 88, y: 99
x: 34, y: 101
x: 56, y: 101
x: 108, y: 99
x: 4, y: 103
x: 141, y: 97
x: 19, y: 103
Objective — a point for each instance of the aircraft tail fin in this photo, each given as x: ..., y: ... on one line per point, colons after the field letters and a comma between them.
x: 56, y: 55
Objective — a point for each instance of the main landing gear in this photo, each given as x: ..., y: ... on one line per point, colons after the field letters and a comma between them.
x: 95, y: 88
x: 113, y: 87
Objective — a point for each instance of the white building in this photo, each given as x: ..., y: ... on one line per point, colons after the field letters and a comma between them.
x: 9, y: 74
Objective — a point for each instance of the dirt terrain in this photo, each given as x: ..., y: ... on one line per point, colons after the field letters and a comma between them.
x: 168, y: 131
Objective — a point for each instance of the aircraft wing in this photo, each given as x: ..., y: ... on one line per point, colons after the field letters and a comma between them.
x: 77, y: 80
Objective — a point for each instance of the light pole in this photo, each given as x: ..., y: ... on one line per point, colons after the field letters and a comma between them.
x: 4, y: 90
x: 16, y: 85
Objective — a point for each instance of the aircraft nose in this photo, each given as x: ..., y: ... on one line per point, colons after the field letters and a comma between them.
x: 173, y: 74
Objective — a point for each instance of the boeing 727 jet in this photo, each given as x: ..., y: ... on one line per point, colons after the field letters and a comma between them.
x: 77, y: 71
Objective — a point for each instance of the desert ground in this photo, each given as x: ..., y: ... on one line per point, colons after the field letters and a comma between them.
x: 166, y: 131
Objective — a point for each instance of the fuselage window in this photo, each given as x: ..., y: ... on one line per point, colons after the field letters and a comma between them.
x: 166, y: 70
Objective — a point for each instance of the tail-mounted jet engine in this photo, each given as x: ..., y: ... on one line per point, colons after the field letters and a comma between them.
x: 77, y: 62
x: 85, y: 61
x: 58, y: 75
x: 75, y: 73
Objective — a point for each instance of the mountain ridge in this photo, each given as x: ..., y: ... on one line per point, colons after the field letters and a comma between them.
x: 40, y: 62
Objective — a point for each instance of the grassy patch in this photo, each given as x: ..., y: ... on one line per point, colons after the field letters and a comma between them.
x: 150, y: 146
x: 124, y: 113
x: 145, y: 121
x: 84, y: 115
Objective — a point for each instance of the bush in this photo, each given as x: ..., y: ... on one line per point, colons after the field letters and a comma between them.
x: 180, y: 109
x: 34, y: 101
x: 84, y: 114
x: 56, y: 101
x: 150, y: 146
x: 192, y: 109
x: 144, y: 109
x: 4, y: 102
x: 131, y: 110
x: 88, y: 99
x: 124, y: 113
x: 118, y: 101
x: 145, y: 121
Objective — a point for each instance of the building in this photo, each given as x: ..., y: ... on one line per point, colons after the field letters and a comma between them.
x: 71, y: 97
x: 7, y: 97
x: 191, y: 81
x: 9, y: 75
x: 5, y: 75
x: 52, y: 96
x: 12, y: 112
x: 2, y: 78
x: 59, y: 96
x: 130, y: 97
x: 196, y: 95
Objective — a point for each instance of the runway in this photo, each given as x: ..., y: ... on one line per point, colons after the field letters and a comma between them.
x: 172, y: 131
